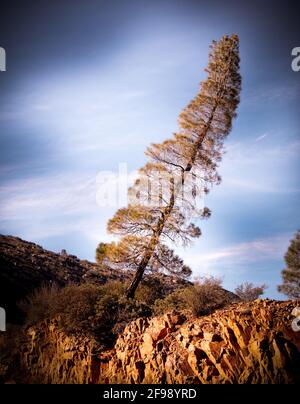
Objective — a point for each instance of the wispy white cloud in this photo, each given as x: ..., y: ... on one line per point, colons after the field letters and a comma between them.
x: 52, y: 194
x: 85, y: 228
x: 265, y: 95
x: 261, y: 137
x: 237, y: 255
x: 55, y: 205
x: 249, y: 167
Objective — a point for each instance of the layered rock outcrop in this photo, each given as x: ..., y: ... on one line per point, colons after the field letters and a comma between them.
x: 246, y: 343
x: 51, y: 356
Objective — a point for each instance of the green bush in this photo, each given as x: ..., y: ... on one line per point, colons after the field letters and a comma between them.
x: 173, y: 301
x: 149, y: 292
x: 202, y: 298
x: 206, y: 296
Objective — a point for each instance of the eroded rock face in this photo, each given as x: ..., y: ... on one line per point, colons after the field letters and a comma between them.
x: 50, y: 356
x: 246, y: 343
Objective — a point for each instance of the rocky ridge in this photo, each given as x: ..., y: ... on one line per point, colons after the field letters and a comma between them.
x: 245, y: 343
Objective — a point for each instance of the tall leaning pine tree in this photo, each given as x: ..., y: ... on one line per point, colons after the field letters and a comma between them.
x: 162, y: 202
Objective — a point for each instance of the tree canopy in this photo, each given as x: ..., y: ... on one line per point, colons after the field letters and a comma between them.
x: 291, y: 274
x: 162, y: 206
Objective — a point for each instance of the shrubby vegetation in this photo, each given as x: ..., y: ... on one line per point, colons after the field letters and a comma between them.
x: 202, y: 298
x: 99, y: 311
x: 102, y: 311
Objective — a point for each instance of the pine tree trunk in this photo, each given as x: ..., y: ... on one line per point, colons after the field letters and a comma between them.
x: 138, y: 277
x: 168, y: 210
x: 148, y: 254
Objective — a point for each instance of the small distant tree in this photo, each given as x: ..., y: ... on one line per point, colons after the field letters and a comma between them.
x: 101, y: 253
x: 291, y: 274
x: 161, y: 209
x: 248, y: 292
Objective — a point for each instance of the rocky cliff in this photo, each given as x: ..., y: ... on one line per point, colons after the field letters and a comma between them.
x: 246, y: 343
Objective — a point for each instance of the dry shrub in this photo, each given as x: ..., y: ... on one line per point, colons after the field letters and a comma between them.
x: 38, y: 305
x: 99, y: 311
x: 203, y: 297
x: 206, y: 296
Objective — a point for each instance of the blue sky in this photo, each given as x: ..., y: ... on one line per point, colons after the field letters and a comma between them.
x: 90, y: 84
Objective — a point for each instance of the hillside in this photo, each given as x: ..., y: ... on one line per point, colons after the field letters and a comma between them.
x: 240, y: 343
x: 24, y: 266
